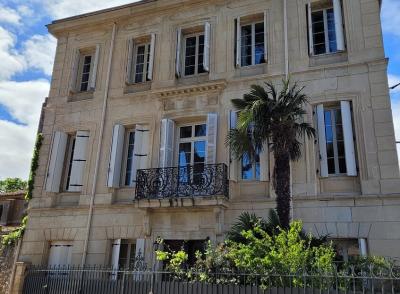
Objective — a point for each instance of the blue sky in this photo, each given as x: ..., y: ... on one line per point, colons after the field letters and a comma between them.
x: 26, y: 59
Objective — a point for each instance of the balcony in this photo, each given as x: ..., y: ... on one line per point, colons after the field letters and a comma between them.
x: 191, y: 182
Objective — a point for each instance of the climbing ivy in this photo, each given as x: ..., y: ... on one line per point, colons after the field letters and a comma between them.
x: 11, y: 238
x: 34, y: 166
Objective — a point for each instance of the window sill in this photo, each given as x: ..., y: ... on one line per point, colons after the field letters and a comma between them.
x: 79, y: 96
x: 251, y: 70
x: 328, y: 58
x: 195, y: 79
x: 137, y: 87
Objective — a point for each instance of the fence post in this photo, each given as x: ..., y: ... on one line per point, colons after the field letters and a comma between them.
x: 20, y: 272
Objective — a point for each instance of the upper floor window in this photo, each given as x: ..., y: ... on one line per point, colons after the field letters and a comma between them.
x: 84, y: 71
x: 250, y: 168
x: 251, y: 40
x: 336, y: 140
x: 140, y: 59
x: 325, y: 27
x: 193, y: 50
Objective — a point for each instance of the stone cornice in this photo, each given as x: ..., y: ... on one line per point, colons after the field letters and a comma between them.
x: 210, y: 87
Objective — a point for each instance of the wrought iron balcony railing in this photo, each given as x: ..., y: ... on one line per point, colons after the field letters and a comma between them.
x: 179, y: 182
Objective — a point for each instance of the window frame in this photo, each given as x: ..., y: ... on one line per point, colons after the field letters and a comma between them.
x: 197, y: 55
x: 68, y: 160
x: 326, y: 31
x: 146, y: 64
x: 253, y: 24
x: 125, y: 158
x: 129, y: 243
x: 79, y: 81
x: 254, y: 177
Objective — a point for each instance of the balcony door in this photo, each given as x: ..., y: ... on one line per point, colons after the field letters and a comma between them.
x: 191, y: 153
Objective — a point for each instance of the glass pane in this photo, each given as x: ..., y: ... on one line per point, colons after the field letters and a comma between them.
x: 132, y: 256
x: 123, y: 255
x: 247, y: 168
x: 200, y: 130
x: 185, y: 150
x: 259, y: 58
x: 199, y: 151
x: 88, y: 59
x: 129, y: 160
x: 141, y: 50
x: 331, y: 30
x: 257, y: 167
x: 259, y: 43
x: 329, y: 150
x: 186, y: 132
x: 331, y: 166
x: 342, y: 165
x: 340, y: 148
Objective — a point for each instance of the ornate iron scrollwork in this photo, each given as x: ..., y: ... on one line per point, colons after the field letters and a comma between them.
x: 179, y: 182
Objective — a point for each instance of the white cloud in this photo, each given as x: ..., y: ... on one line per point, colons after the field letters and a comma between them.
x: 11, y: 61
x: 39, y: 53
x: 9, y: 16
x: 396, y: 121
x: 390, y: 17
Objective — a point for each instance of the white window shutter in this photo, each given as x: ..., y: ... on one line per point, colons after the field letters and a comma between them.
x: 116, y: 248
x: 151, y: 58
x: 323, y: 158
x: 178, y: 53
x: 131, y: 45
x: 233, y: 163
x: 56, y: 164
x: 362, y: 245
x: 265, y: 37
x: 310, y: 30
x: 116, y: 154
x: 93, y: 72
x: 78, y: 161
x: 167, y: 143
x: 60, y: 254
x: 348, y: 138
x: 212, y: 130
x: 140, y: 247
x: 238, y: 43
x: 264, y: 164
x: 207, y: 40
x: 74, y: 71
x: 337, y: 11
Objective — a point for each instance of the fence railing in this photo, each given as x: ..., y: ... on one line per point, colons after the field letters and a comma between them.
x: 178, y: 182
x: 98, y: 280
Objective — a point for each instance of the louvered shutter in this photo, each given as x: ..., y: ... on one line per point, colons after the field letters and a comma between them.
x: 233, y: 163
x: 348, y: 138
x: 265, y: 37
x: 93, y: 72
x: 56, y: 164
x: 5, y: 209
x: 264, y: 164
x: 60, y: 254
x: 322, y: 141
x: 337, y: 11
x: 116, y: 154
x: 310, y: 30
x: 131, y: 45
x: 178, y: 53
x: 207, y: 40
x: 78, y: 161
x: 167, y: 143
x: 141, y: 150
x: 151, y: 57
x: 116, y: 248
x: 212, y: 130
x: 238, y: 42
x: 74, y: 71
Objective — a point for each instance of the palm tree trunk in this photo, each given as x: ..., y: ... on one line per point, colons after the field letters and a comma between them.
x: 282, y: 187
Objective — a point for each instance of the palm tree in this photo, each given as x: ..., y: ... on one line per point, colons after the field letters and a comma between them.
x: 268, y: 117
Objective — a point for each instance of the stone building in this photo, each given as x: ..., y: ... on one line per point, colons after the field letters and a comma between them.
x: 142, y: 89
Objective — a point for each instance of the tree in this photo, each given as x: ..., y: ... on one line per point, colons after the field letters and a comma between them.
x: 12, y: 185
x: 268, y: 117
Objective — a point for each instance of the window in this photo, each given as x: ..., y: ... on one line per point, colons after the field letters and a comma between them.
x: 252, y: 44
x: 326, y: 33
x: 127, y: 254
x: 251, y: 169
x: 349, y: 249
x: 85, y: 73
x: 142, y: 63
x: 192, y: 151
x: 130, y: 140
x: 189, y: 246
x: 60, y: 254
x: 194, y: 54
x: 335, y: 141
x: 70, y: 157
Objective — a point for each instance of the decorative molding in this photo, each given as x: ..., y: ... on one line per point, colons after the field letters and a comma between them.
x: 211, y: 87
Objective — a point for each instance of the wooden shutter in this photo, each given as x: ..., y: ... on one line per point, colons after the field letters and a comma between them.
x: 212, y: 130
x: 60, y: 254
x: 348, y: 138
x: 93, y: 72
x: 5, y: 209
x: 322, y: 141
x: 167, y: 143
x: 74, y: 71
x: 178, y: 53
x: 131, y: 45
x: 141, y: 150
x: 78, y: 161
x: 265, y: 37
x: 238, y: 42
x: 310, y: 30
x: 140, y: 247
x: 233, y: 163
x: 56, y: 164
x: 338, y: 15
x: 362, y: 244
x: 116, y: 154
x: 264, y: 164
x: 116, y: 248
x: 207, y: 40
x: 151, y: 58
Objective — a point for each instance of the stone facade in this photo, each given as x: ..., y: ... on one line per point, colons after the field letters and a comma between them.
x: 366, y: 206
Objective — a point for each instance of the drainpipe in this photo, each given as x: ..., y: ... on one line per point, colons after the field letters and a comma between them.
x: 101, y: 133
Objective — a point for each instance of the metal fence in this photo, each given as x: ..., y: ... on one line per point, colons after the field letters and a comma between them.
x: 98, y: 280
